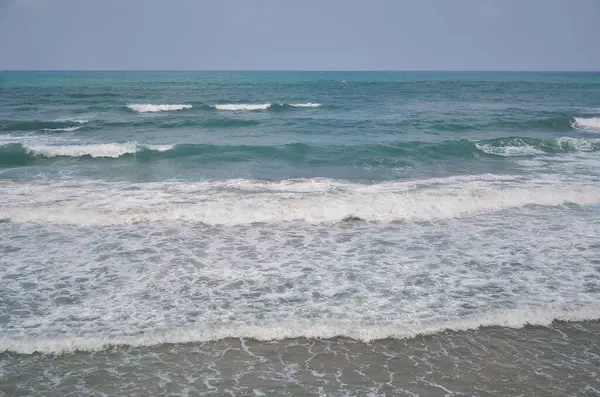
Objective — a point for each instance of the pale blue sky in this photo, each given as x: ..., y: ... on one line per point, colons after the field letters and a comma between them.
x: 300, y: 35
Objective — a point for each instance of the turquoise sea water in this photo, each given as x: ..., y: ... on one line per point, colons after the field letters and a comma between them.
x: 281, y: 231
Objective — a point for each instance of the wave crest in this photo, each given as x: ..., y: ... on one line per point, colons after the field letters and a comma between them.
x: 242, y: 106
x: 112, y: 150
x: 587, y: 124
x: 517, y: 146
x: 19, y: 154
x: 149, y: 108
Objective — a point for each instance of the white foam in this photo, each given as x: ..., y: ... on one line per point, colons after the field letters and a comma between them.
x: 234, y: 107
x: 67, y: 129
x: 361, y: 331
x: 262, y: 202
x: 509, y: 151
x: 111, y: 150
x: 145, y: 108
x: 579, y: 144
x: 305, y: 105
x: 159, y: 148
x: 145, y: 283
x: 591, y: 124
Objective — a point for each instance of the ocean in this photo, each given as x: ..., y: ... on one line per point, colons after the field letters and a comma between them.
x: 299, y: 234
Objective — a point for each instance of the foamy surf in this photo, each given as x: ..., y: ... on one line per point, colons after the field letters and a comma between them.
x: 149, y: 108
x: 105, y: 150
x: 592, y: 123
x: 320, y: 203
x: 509, y: 151
x: 238, y: 107
x: 268, y: 331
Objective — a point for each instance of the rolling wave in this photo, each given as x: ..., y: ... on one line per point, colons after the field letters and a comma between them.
x: 517, y: 146
x: 21, y: 154
x: 364, y: 332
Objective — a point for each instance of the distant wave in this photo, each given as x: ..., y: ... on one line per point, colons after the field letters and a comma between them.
x: 22, y: 154
x: 264, y: 106
x: 305, y: 105
x: 38, y: 125
x: 592, y: 123
x: 146, y: 108
x: 92, y: 95
x: 78, y: 121
x: 213, y: 122
x: 291, y: 329
x: 234, y: 107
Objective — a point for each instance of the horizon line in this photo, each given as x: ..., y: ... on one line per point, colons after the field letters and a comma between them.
x: 314, y: 70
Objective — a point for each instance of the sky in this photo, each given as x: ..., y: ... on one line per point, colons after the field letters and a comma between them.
x: 528, y: 35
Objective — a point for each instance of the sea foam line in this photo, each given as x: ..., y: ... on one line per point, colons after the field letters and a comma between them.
x: 360, y: 331
x: 146, y: 108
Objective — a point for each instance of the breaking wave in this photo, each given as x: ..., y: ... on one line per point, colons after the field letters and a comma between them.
x: 592, y: 124
x: 21, y: 154
x: 364, y: 332
x: 314, y: 201
x: 241, y: 106
x: 149, y: 108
